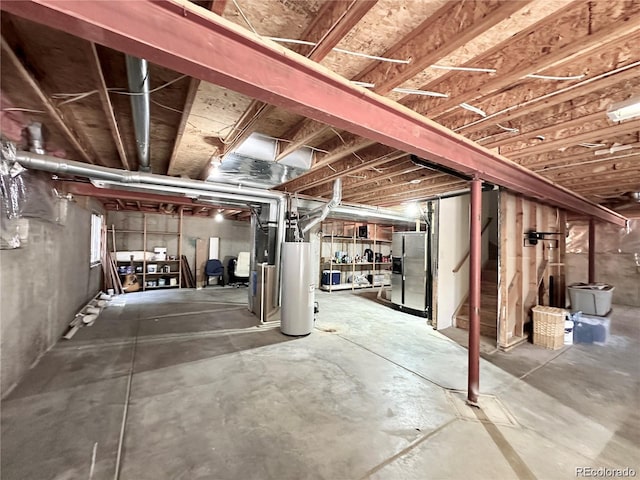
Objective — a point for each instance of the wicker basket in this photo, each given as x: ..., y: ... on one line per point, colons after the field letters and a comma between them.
x: 548, y: 327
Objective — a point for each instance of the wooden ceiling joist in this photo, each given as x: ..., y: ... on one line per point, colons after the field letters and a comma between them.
x: 438, y: 181
x: 631, y: 126
x: 107, y: 106
x: 347, y: 166
x: 526, y: 134
x: 70, y: 133
x: 334, y: 20
x: 512, y: 57
x: 534, y: 98
x: 452, y: 26
x: 367, y: 176
x: 265, y: 71
x: 217, y: 7
x: 421, y: 195
x: 522, y: 55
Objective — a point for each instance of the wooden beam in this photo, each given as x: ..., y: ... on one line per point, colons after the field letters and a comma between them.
x: 107, y: 106
x: 217, y: 7
x: 334, y: 20
x: 451, y: 27
x: 349, y: 165
x: 398, y: 199
x: 332, y: 23
x: 532, y: 131
x: 544, y: 162
x: 349, y: 144
x: 370, y: 176
x: 56, y: 116
x: 534, y: 98
x: 509, y: 55
x: 521, y: 55
x: 302, y: 134
x: 591, y: 136
x: 415, y: 180
x: 439, y: 183
x: 185, y: 46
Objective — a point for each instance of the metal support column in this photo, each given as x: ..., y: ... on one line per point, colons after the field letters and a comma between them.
x: 475, y: 260
x: 592, y: 250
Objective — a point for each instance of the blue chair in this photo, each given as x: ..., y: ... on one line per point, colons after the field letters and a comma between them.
x: 214, y: 268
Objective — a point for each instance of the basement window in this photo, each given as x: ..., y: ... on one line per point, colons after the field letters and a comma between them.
x: 96, y: 236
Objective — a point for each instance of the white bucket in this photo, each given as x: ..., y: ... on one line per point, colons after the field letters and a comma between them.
x: 568, y: 332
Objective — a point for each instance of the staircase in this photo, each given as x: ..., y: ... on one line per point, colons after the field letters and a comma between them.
x: 488, y: 302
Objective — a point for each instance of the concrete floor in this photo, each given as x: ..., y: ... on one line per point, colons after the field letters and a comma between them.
x: 185, y: 385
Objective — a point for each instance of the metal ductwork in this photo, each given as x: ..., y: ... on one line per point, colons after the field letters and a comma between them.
x: 36, y: 142
x: 138, y: 77
x: 324, y: 211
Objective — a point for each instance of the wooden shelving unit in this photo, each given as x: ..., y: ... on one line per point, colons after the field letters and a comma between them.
x: 343, y: 250
x: 168, y: 272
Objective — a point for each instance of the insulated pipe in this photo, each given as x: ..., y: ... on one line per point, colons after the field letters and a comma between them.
x: 276, y: 200
x: 324, y: 211
x: 592, y: 250
x: 475, y: 260
x: 138, y: 77
x: 70, y: 167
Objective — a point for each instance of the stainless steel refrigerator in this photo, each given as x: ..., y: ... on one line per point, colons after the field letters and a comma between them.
x: 411, y: 272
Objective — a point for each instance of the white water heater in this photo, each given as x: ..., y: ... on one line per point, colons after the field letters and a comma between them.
x: 298, y: 289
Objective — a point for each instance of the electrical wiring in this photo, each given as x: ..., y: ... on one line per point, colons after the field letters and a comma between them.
x: 18, y: 109
x: 550, y: 94
x: 473, y: 109
x: 340, y: 50
x: 74, y: 97
x: 465, y: 69
x: 244, y: 17
x: 552, y: 77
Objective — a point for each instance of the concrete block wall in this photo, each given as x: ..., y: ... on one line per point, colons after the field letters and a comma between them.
x: 43, y: 284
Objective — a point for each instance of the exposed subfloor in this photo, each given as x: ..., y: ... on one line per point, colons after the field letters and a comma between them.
x: 183, y: 384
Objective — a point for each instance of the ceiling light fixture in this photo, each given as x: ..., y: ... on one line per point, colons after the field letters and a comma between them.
x: 219, y: 217
x: 619, y: 112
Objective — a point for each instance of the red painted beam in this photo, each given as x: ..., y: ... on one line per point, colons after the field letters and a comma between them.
x: 180, y: 36
x: 592, y: 251
x: 475, y: 265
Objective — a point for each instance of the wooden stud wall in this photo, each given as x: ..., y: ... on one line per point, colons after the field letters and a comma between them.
x: 525, y: 270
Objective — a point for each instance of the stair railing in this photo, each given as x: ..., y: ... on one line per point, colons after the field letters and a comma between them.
x: 466, y: 255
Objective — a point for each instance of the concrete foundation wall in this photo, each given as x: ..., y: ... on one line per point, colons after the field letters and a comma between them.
x: 234, y: 236
x: 44, y: 284
x: 617, y: 269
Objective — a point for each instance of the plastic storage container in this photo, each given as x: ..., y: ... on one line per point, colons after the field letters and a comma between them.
x: 591, y: 299
x: 590, y: 329
x: 331, y: 277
